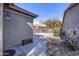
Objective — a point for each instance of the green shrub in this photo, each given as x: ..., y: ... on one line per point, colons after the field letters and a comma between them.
x: 56, y: 33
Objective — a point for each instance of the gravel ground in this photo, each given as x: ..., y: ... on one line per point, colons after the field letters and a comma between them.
x: 55, y: 47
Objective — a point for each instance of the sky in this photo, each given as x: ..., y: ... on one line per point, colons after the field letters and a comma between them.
x: 45, y: 10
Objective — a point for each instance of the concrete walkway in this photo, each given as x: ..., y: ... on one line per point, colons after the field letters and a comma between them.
x: 37, y: 48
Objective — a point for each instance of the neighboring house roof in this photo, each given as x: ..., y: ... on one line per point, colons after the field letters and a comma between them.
x: 69, y: 8
x: 39, y: 25
x: 18, y: 9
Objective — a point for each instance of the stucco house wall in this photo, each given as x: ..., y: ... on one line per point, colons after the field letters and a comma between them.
x: 1, y: 28
x: 71, y: 18
x: 70, y: 26
x: 16, y: 29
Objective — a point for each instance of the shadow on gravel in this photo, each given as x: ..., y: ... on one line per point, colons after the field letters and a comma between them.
x: 56, y: 47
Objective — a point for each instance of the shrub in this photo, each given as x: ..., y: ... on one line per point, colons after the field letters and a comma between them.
x: 56, y: 33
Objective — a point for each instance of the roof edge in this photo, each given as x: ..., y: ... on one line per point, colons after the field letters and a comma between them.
x: 16, y: 8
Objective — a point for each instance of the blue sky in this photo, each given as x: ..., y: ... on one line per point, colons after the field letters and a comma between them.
x: 45, y: 10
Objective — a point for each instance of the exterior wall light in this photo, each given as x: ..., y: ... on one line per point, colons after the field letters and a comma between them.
x: 7, y: 16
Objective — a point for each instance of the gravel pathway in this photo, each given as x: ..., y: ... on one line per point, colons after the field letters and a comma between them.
x: 55, y: 47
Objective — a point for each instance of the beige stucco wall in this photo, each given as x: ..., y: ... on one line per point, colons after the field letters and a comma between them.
x: 71, y: 19
x: 17, y: 29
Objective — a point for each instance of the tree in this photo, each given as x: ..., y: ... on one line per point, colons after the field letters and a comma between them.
x: 54, y: 24
x: 48, y: 23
